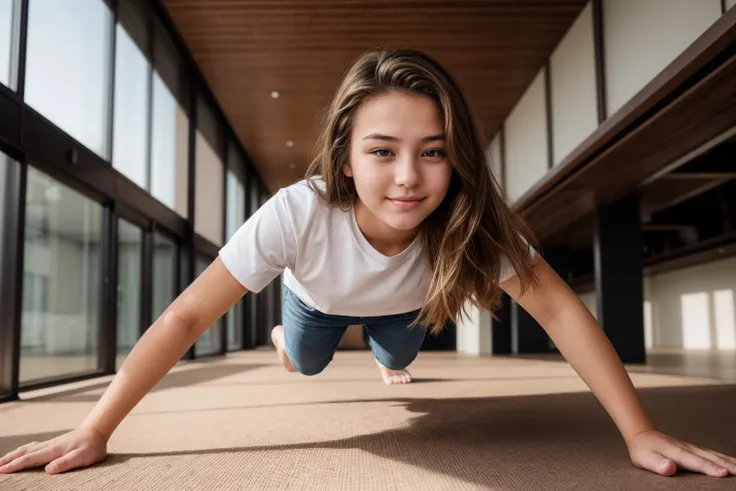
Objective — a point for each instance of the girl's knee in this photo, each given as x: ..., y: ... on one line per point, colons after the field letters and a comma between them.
x: 396, y: 362
x: 309, y: 367
x: 311, y: 370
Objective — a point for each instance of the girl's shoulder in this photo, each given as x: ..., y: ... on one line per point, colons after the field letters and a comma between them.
x: 300, y: 195
x: 303, y: 204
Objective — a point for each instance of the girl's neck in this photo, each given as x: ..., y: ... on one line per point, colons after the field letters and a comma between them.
x: 385, y: 239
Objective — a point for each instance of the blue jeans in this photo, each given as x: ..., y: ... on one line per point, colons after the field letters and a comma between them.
x: 311, y: 337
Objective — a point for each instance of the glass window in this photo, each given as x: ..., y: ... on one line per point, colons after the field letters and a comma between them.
x: 170, y: 126
x: 209, y: 343
x: 67, y: 74
x: 235, y: 213
x: 209, y: 186
x: 130, y: 267
x: 61, y: 280
x: 9, y: 17
x: 235, y: 319
x: 236, y: 177
x: 165, y: 255
x: 251, y: 299
x: 130, y: 137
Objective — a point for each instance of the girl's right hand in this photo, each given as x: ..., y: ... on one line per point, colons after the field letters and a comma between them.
x: 77, y: 448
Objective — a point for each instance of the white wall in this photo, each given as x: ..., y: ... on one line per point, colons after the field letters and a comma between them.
x: 691, y: 308
x: 494, y: 158
x: 694, y: 307
x: 730, y: 3
x: 573, y: 86
x: 642, y: 37
x: 474, y: 333
x: 526, y: 140
x: 589, y: 299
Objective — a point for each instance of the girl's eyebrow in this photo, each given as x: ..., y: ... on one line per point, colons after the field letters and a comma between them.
x: 377, y: 136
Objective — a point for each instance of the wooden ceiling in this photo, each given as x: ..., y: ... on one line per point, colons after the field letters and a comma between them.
x: 301, y: 48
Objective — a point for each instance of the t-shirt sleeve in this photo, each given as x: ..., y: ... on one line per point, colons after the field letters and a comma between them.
x: 263, y: 246
x: 507, y: 268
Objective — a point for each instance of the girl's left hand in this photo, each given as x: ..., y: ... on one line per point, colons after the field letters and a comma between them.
x: 662, y: 454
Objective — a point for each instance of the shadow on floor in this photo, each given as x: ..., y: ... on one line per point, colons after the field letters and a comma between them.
x: 521, y: 442
x: 203, y: 373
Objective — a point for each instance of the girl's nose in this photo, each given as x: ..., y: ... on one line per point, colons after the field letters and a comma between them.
x: 407, y: 174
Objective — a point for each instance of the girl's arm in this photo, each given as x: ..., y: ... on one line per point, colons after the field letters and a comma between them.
x: 585, y: 346
x: 212, y: 294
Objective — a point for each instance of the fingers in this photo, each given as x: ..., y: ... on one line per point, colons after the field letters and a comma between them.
x: 690, y: 460
x: 66, y: 462
x: 724, y: 461
x: 31, y: 459
x: 17, y: 453
x: 657, y: 463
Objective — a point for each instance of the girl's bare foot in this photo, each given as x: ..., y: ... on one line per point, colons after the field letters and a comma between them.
x: 391, y: 377
x: 277, y: 337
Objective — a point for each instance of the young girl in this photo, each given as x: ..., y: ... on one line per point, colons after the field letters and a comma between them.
x: 398, y: 225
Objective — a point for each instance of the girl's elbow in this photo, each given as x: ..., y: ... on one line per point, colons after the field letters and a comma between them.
x: 172, y: 319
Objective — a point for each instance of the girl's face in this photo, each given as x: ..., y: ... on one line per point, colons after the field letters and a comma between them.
x: 397, y: 159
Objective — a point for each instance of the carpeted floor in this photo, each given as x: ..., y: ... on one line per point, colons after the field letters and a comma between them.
x: 242, y: 422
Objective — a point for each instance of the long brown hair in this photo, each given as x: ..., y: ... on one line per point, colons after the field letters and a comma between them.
x: 467, y: 236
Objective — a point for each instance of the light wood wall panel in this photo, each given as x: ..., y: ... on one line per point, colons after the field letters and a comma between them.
x: 573, y: 87
x: 526, y: 140
x: 640, y: 38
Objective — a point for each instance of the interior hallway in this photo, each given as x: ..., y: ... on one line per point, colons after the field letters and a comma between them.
x: 242, y: 422
x: 708, y: 364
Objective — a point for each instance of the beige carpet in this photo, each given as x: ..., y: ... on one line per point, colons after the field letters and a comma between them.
x: 469, y: 423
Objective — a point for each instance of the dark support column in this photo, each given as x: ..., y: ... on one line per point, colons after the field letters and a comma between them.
x: 501, y: 328
x: 618, y: 277
x: 529, y: 336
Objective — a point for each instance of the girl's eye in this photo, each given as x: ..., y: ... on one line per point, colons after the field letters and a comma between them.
x: 436, y: 153
x: 382, y: 152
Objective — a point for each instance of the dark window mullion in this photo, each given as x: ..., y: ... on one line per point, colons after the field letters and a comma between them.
x: 11, y: 279
x: 22, y: 49
x: 111, y: 82
x: 224, y: 331
x: 146, y: 290
x: 108, y: 318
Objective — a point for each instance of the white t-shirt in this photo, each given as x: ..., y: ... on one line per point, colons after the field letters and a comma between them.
x: 326, y: 260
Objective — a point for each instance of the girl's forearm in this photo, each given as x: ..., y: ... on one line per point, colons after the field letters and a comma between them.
x: 583, y: 343
x: 158, y: 350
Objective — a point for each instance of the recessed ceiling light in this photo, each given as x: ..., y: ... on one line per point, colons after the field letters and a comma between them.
x: 289, y: 143
x: 292, y: 165
x: 275, y: 94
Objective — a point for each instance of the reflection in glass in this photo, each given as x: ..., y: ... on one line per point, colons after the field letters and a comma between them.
x: 209, y: 342
x: 235, y: 217
x: 67, y: 72
x: 9, y: 15
x: 235, y: 319
x: 169, y: 146
x: 164, y: 273
x: 61, y: 280
x: 130, y: 259
x: 130, y: 138
x: 235, y: 212
x: 210, y: 171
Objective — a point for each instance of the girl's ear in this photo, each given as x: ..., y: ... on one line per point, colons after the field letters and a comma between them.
x: 347, y: 170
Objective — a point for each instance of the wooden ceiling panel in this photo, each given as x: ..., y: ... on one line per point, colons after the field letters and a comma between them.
x: 302, y: 48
